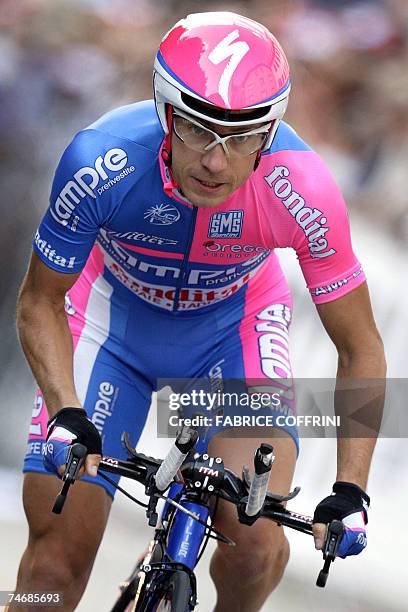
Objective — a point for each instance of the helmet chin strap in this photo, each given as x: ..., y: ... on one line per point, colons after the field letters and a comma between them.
x: 257, y: 160
x: 166, y: 149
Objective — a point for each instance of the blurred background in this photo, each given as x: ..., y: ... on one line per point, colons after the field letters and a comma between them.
x: 65, y: 62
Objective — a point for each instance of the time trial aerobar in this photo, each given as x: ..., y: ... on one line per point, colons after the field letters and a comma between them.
x: 227, y: 485
x: 201, y: 478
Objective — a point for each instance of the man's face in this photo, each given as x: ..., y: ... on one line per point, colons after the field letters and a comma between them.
x: 208, y: 178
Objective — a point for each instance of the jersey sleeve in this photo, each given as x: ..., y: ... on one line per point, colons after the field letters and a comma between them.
x: 315, y: 223
x: 79, y: 204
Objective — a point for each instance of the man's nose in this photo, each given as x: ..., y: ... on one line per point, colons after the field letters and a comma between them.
x: 215, y: 160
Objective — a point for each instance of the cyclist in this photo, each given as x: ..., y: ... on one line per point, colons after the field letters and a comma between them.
x: 155, y: 259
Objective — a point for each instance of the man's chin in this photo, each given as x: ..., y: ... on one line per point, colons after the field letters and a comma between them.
x: 206, y: 200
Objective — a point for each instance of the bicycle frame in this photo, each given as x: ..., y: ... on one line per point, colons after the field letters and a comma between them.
x: 186, y: 534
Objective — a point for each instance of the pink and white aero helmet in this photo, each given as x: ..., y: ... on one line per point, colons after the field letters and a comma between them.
x: 213, y: 64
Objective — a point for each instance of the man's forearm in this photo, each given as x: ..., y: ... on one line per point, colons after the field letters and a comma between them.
x: 359, y: 402
x: 47, y: 344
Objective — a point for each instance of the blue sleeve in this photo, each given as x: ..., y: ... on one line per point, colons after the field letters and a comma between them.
x: 82, y: 199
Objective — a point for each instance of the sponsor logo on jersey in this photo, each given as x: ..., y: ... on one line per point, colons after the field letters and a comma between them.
x: 273, y: 341
x: 162, y: 214
x: 226, y: 224
x: 165, y: 296
x: 86, y: 180
x: 132, y: 261
x: 337, y: 285
x: 141, y: 237
x: 50, y: 253
x: 104, y: 404
x: 313, y: 227
x: 231, y: 250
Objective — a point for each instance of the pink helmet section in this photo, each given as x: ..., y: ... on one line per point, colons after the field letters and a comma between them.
x: 226, y: 59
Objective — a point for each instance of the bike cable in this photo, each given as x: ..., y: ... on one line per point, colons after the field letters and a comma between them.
x: 219, y: 536
x: 119, y: 488
x: 210, y: 528
x: 211, y: 532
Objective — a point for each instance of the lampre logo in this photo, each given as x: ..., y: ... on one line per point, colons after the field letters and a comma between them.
x: 308, y: 220
x: 162, y: 270
x: 226, y: 224
x: 85, y: 180
x: 104, y: 405
x: 162, y: 214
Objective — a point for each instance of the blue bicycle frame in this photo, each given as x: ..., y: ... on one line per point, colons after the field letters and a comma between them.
x: 186, y: 534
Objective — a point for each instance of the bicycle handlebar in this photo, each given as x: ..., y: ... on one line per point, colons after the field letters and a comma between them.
x: 208, y: 474
x: 263, y: 460
x: 172, y: 462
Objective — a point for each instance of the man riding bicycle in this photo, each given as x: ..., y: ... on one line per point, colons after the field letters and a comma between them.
x: 155, y: 259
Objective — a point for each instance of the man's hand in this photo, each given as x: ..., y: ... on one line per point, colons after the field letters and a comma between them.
x: 67, y: 426
x: 348, y: 503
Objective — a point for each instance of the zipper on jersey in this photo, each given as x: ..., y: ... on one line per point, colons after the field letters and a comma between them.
x: 185, y: 258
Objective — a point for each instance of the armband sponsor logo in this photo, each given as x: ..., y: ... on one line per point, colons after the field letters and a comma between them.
x: 337, y: 285
x: 49, y: 252
x: 226, y: 224
x: 107, y: 394
x: 84, y: 182
x: 313, y: 227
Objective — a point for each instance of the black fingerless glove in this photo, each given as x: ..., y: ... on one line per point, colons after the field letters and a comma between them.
x: 76, y: 421
x: 346, y: 499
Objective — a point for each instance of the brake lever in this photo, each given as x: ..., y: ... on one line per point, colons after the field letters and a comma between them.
x: 335, y: 531
x: 134, y: 454
x: 76, y: 457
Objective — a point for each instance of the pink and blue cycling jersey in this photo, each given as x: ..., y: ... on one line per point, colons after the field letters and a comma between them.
x: 114, y: 212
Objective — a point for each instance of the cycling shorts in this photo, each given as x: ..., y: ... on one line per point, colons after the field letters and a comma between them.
x: 123, y: 346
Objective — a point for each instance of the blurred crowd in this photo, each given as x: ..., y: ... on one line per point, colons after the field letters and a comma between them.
x: 65, y: 62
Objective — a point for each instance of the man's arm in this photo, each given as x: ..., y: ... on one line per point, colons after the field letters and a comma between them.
x: 44, y: 333
x: 46, y: 339
x: 350, y: 324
